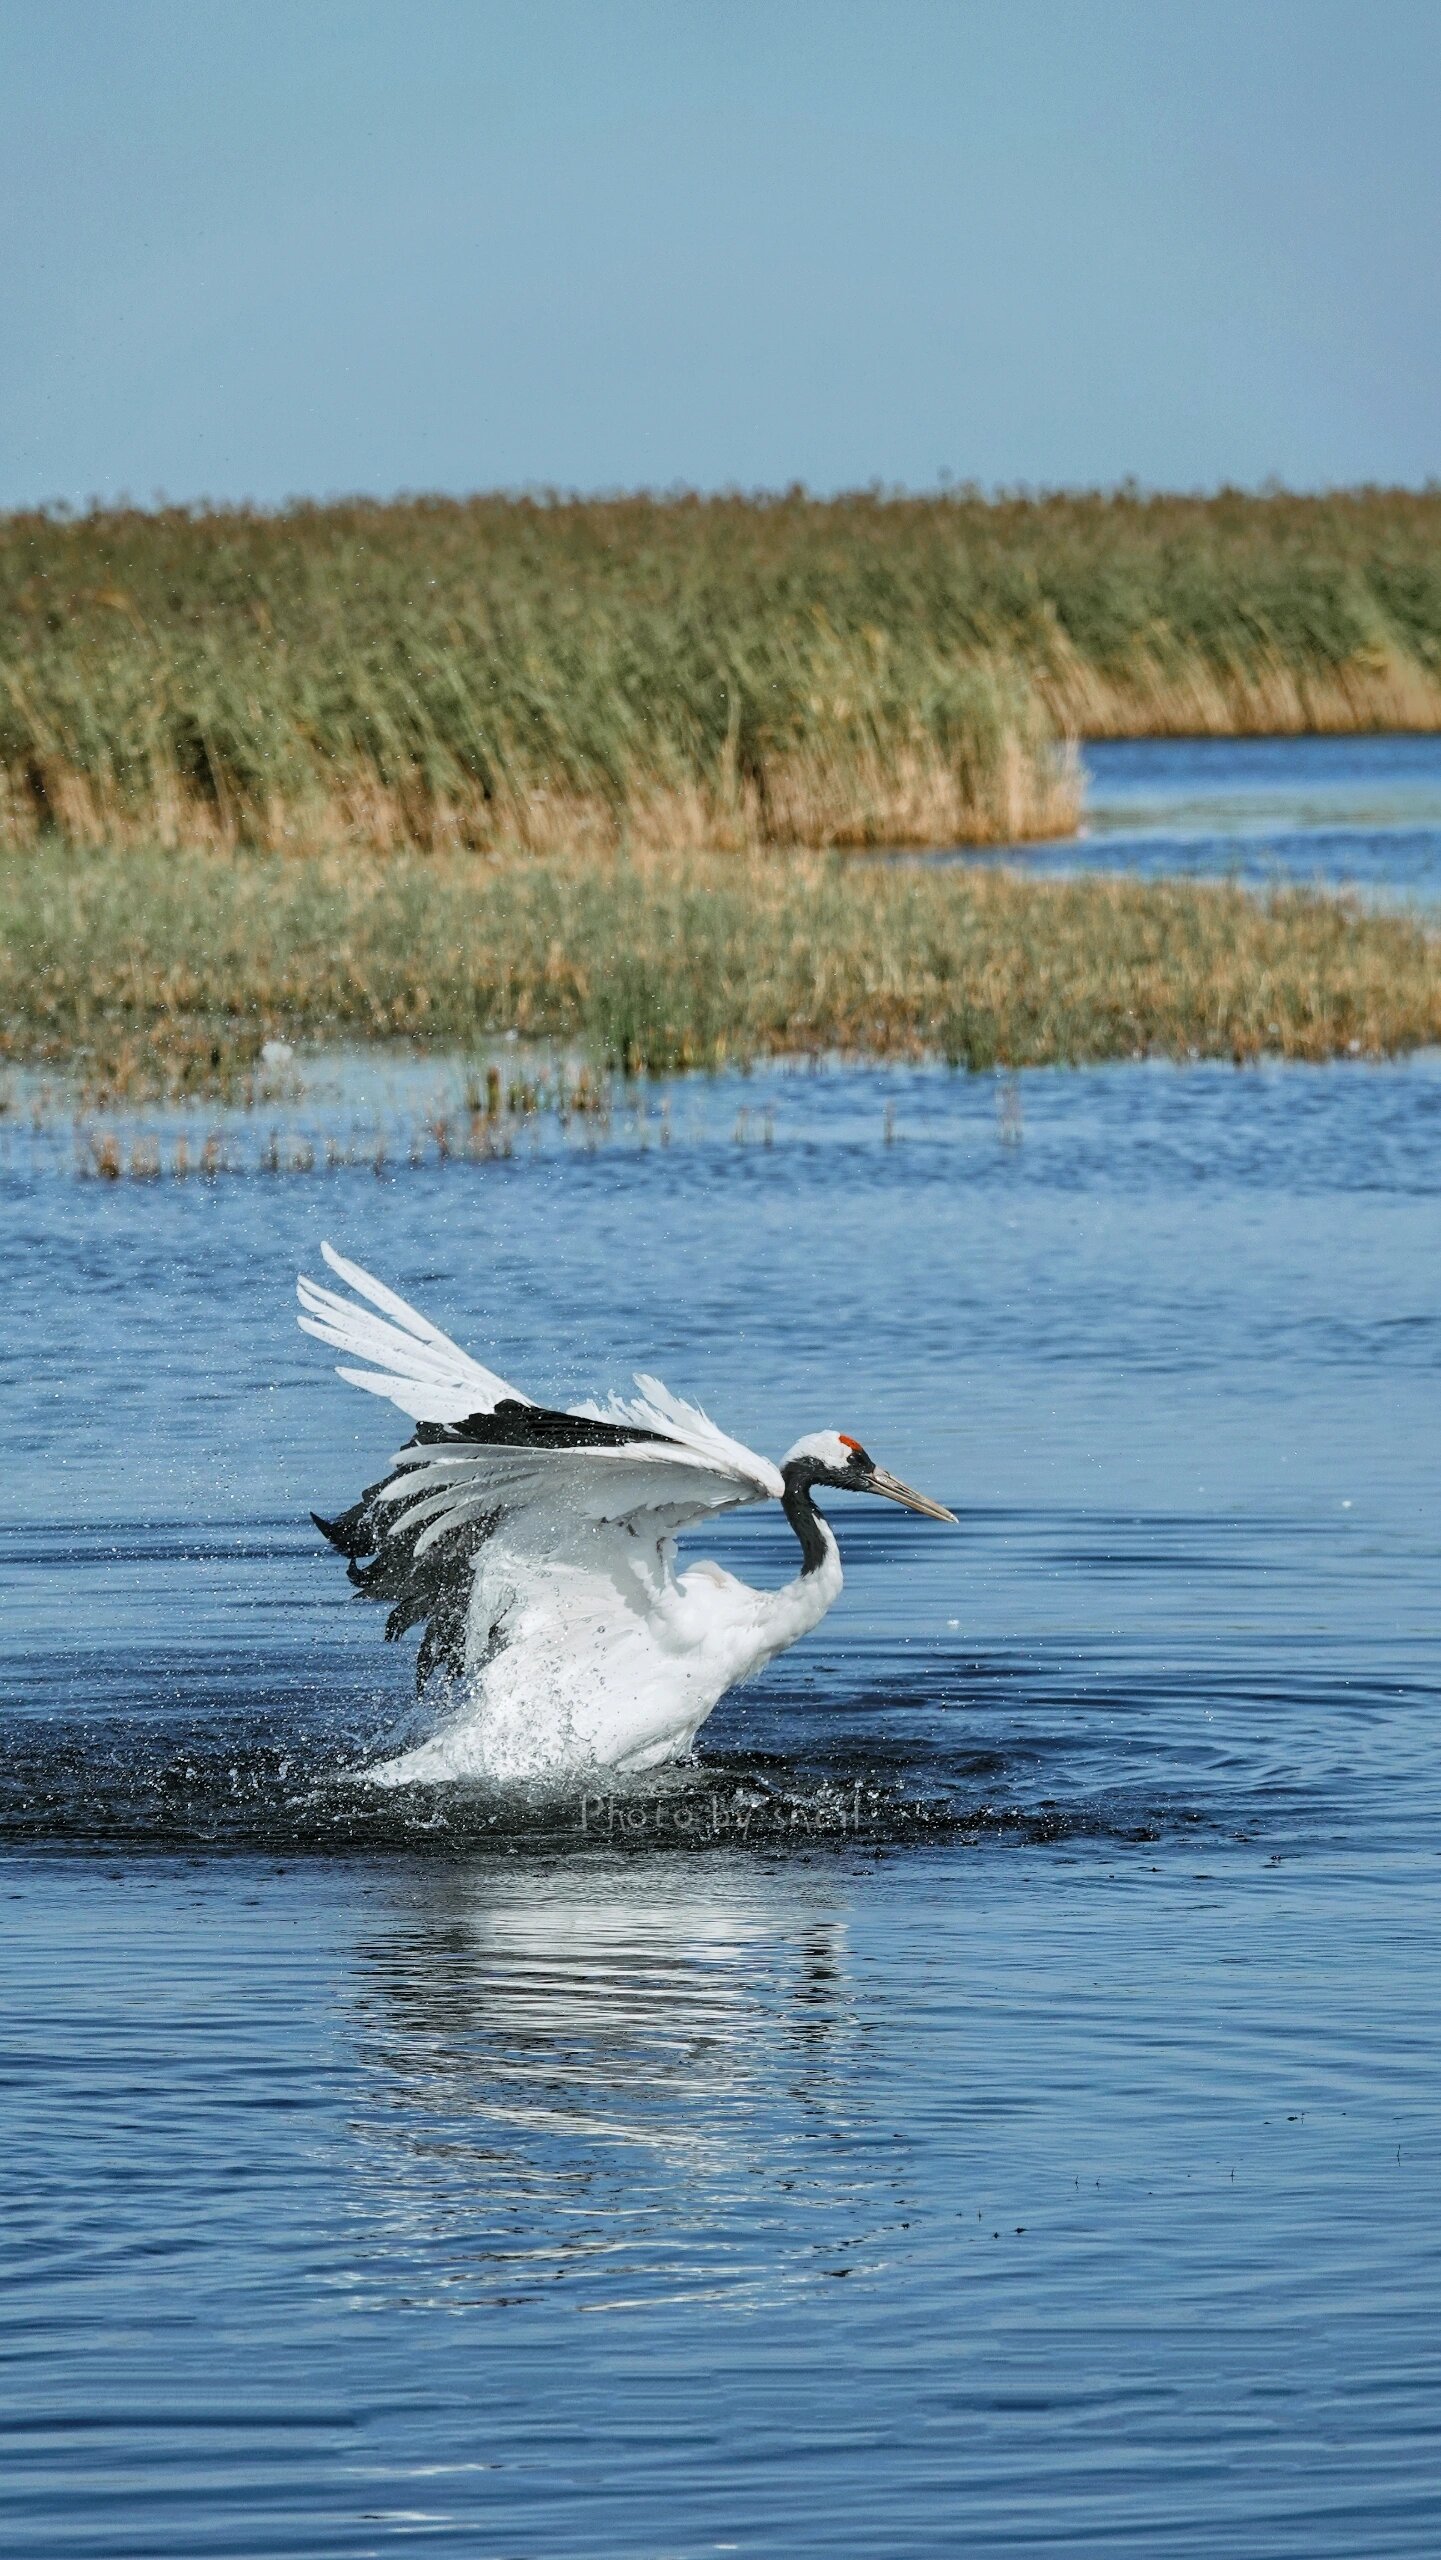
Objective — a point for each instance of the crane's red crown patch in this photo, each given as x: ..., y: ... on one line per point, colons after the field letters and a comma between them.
x: 846, y: 1441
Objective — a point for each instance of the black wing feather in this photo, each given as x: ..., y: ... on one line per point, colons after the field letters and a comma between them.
x: 433, y: 1591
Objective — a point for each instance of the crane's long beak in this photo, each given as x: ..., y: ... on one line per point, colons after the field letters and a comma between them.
x: 894, y: 1491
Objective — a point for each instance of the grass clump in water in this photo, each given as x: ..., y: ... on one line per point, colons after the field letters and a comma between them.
x: 150, y: 973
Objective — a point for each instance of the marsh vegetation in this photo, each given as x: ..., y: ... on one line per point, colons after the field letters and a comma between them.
x: 720, y: 674
x: 153, y: 973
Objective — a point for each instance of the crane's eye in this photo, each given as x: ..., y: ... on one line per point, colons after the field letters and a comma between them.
x: 859, y: 1457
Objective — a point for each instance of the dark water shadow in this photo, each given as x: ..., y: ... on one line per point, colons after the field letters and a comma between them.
x: 874, y: 1766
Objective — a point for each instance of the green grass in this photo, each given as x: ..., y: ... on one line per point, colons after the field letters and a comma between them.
x: 148, y: 973
x: 671, y: 673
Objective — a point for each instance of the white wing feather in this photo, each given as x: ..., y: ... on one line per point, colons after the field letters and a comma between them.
x: 656, y: 1412
x: 429, y: 1377
x: 416, y: 1365
x: 553, y: 1495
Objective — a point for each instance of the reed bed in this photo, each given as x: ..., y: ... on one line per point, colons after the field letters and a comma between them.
x: 157, y: 975
x: 677, y: 673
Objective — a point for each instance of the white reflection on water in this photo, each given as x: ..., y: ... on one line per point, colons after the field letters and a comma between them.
x: 596, y: 2073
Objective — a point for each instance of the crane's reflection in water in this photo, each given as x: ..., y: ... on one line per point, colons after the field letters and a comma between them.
x: 636, y: 2081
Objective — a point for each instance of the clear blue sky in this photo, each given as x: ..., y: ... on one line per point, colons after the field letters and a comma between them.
x: 255, y: 248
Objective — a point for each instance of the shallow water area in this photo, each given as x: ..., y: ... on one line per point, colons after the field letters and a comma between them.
x: 992, y: 2100
x: 1361, y: 814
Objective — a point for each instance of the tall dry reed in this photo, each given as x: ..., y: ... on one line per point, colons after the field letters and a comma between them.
x: 724, y: 672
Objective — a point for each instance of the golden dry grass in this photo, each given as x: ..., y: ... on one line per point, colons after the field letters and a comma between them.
x: 1188, y: 695
x: 1016, y: 784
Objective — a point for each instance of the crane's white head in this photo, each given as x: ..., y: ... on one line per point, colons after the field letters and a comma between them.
x: 834, y: 1458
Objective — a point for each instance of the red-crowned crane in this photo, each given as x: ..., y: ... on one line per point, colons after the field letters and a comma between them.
x: 536, y: 1550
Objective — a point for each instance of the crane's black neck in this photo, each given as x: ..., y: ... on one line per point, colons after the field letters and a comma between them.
x: 798, y: 1477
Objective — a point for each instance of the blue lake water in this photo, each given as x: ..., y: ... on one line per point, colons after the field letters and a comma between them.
x: 1362, y: 814
x: 993, y: 2102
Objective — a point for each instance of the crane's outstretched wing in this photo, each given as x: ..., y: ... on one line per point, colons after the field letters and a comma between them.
x: 566, y: 1512
x: 413, y: 1362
